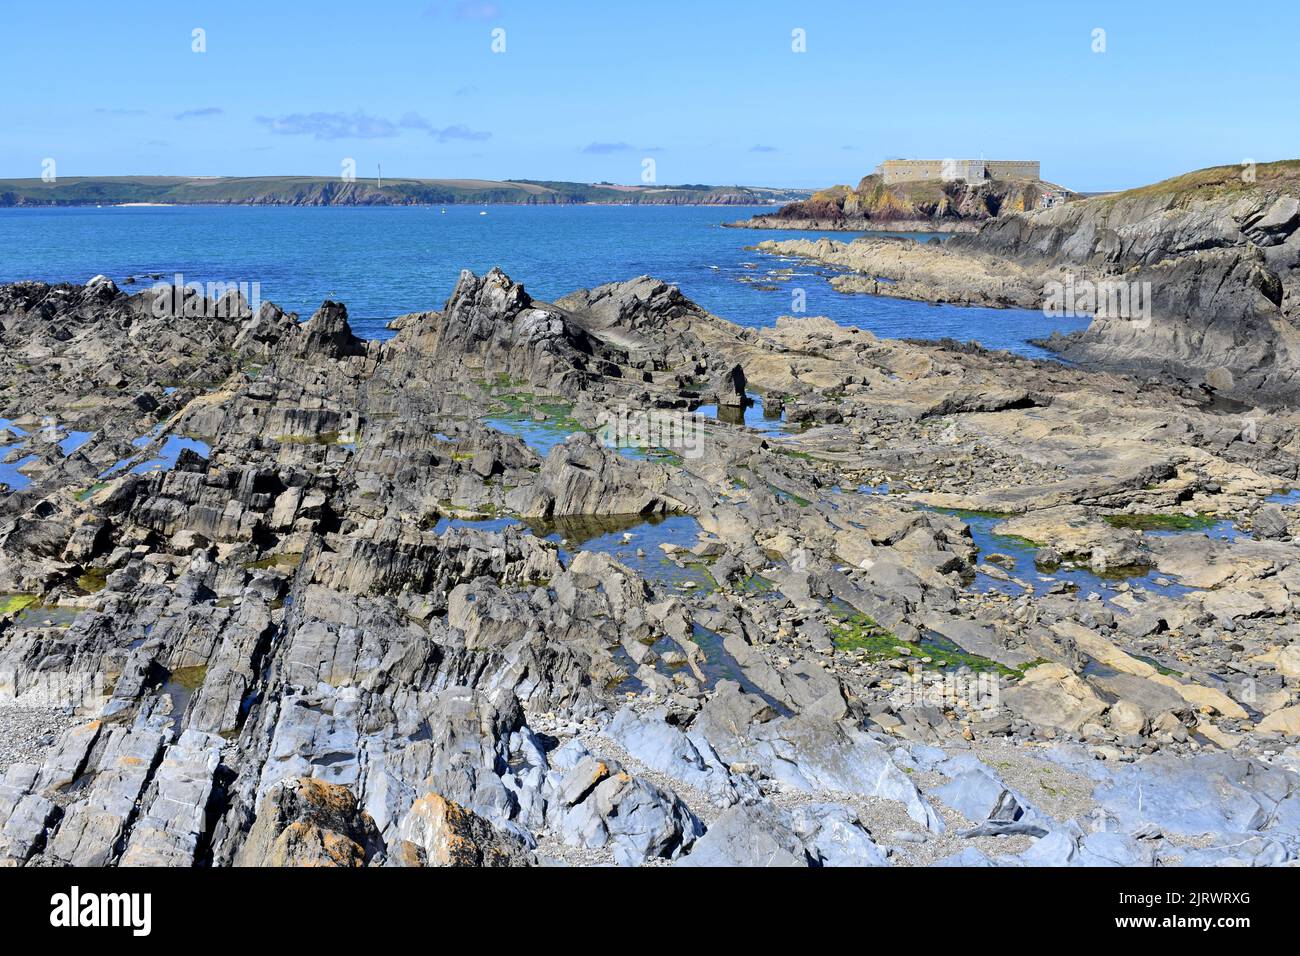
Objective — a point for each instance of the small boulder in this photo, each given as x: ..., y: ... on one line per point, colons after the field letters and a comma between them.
x: 306, y: 822
x: 729, y: 387
x: 1126, y: 718
x: 440, y: 832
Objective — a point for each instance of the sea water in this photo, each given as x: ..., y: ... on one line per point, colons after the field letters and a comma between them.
x: 383, y: 261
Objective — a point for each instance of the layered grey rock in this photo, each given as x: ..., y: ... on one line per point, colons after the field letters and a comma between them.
x: 357, y: 626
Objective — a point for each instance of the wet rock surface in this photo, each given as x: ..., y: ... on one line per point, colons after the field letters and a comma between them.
x: 527, y: 584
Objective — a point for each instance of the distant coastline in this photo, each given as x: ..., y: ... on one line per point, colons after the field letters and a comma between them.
x: 91, y: 204
x: 322, y: 191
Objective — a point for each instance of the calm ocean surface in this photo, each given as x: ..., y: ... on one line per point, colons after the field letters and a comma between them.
x: 385, y: 261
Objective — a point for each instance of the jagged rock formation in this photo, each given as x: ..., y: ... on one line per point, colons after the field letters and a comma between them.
x: 364, y: 618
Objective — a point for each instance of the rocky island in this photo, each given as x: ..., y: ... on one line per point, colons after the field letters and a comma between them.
x: 941, y: 196
x: 611, y: 579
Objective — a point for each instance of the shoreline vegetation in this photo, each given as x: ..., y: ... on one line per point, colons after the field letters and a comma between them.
x: 326, y: 191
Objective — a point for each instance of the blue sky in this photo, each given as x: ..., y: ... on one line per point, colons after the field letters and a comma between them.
x: 712, y: 91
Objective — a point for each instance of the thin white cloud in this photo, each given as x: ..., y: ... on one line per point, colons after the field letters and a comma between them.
x: 330, y: 125
x: 360, y: 125
x: 476, y: 10
x: 466, y: 10
x: 200, y: 112
x: 605, y: 149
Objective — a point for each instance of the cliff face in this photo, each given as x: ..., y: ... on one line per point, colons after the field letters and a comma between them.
x: 1214, y: 259
x: 925, y: 205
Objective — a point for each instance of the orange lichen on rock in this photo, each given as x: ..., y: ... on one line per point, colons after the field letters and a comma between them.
x: 441, y: 832
x: 308, y: 822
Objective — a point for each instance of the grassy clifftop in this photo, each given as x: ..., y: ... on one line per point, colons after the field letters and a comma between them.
x: 1215, y: 181
x: 1219, y: 207
x: 323, y: 191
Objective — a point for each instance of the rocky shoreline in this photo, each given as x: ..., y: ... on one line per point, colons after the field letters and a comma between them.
x: 939, y: 227
x: 934, y: 206
x: 1194, y: 279
x: 902, y: 268
x: 539, y: 583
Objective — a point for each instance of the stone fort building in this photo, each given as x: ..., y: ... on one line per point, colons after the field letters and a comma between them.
x: 971, y: 170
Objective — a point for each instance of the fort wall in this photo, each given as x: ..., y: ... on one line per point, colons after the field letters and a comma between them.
x: 971, y: 170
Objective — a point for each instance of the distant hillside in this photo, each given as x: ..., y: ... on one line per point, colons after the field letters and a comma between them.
x: 955, y: 206
x: 322, y: 191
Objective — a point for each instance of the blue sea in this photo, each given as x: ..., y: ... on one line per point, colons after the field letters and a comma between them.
x: 385, y: 261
